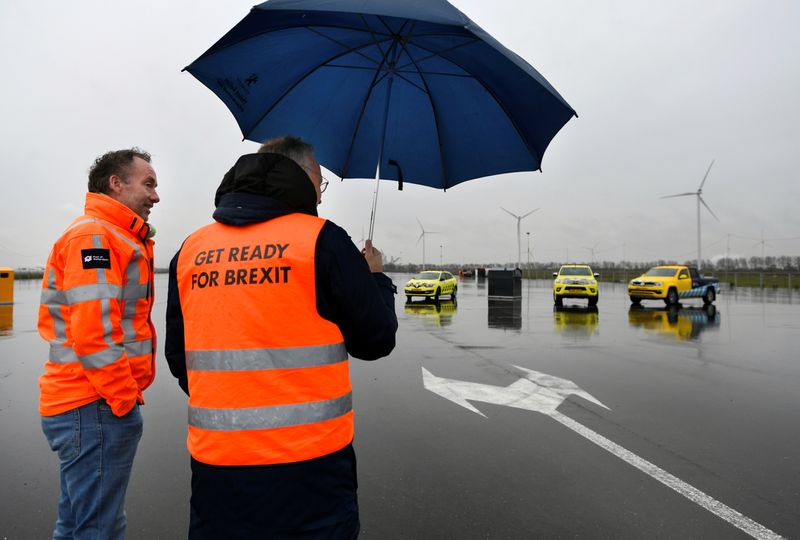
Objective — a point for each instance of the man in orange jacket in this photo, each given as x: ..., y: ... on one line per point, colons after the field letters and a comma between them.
x: 97, y: 295
x: 265, y: 307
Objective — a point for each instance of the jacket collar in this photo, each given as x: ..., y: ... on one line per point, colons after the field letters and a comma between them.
x: 104, y: 207
x: 246, y: 208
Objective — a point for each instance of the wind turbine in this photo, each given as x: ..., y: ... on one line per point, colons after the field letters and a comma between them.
x: 519, y: 234
x: 699, y: 195
x: 591, y: 249
x: 763, y: 243
x: 422, y: 237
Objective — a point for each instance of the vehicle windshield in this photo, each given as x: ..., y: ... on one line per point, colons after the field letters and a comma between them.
x: 575, y: 271
x: 427, y: 275
x: 661, y: 272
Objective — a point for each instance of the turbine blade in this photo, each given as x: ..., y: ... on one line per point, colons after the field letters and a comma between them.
x: 420, y: 238
x: 706, y: 176
x: 708, y: 207
x: 509, y: 213
x: 679, y: 195
x: 420, y: 225
x: 531, y: 212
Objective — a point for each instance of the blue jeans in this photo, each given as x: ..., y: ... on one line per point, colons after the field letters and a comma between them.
x: 96, y: 450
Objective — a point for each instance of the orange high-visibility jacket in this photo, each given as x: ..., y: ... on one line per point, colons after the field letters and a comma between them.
x: 97, y: 295
x: 269, y: 378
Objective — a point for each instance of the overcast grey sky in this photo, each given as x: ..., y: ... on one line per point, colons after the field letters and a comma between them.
x: 661, y: 89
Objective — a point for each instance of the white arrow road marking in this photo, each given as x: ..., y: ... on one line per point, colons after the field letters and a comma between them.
x: 544, y: 393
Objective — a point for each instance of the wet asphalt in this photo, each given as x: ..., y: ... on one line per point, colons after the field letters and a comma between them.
x: 709, y: 396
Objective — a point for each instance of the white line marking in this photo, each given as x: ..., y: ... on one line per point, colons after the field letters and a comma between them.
x: 717, y: 508
x: 543, y: 393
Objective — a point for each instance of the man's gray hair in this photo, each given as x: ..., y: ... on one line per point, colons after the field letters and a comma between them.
x: 291, y: 147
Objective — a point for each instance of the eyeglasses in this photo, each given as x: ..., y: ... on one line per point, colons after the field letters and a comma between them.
x: 323, y: 182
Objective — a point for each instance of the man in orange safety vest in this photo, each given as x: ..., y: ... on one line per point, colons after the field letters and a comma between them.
x: 97, y: 295
x: 265, y: 307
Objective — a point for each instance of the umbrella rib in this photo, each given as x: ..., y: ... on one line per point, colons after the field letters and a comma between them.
x: 373, y: 33
x: 277, y: 101
x: 398, y: 72
x: 494, y: 97
x: 372, y: 85
x: 443, y: 51
x: 435, y: 117
x: 345, y: 46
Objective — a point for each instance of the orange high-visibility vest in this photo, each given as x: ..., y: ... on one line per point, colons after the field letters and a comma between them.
x: 97, y: 295
x: 269, y: 378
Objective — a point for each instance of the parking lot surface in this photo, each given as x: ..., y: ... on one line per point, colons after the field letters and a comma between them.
x: 505, y: 419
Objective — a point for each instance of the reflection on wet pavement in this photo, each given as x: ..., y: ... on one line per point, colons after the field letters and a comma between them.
x: 436, y: 313
x: 678, y: 322
x: 6, y: 320
x: 576, y: 321
x: 505, y: 313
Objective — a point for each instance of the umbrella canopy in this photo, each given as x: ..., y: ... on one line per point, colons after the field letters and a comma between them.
x: 413, y: 87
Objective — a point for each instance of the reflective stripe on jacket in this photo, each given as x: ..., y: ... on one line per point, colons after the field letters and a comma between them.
x: 268, y: 377
x: 97, y: 295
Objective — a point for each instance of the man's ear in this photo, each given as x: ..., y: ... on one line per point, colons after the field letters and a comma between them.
x: 114, y: 184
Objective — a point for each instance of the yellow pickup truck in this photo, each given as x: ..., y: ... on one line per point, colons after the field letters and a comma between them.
x: 672, y: 283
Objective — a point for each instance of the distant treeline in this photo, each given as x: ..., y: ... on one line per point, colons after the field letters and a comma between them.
x: 783, y: 263
x: 37, y: 273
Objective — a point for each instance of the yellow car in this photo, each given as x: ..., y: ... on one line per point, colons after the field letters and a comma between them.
x: 432, y: 284
x: 575, y: 281
x: 671, y: 283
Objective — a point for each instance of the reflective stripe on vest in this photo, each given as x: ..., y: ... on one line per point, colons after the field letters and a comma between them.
x: 256, y: 359
x: 268, y: 377
x: 270, y: 417
x: 62, y: 355
x: 55, y: 298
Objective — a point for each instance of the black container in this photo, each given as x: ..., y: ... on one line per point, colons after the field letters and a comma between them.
x: 505, y: 283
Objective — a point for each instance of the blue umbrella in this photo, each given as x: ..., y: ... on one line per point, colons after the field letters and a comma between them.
x: 412, y: 89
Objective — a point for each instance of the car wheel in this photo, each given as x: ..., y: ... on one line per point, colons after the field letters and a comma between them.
x: 408, y: 299
x: 636, y: 301
x: 453, y: 294
x: 593, y: 300
x: 672, y: 297
x: 710, y: 296
x: 557, y: 300
x: 436, y: 296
